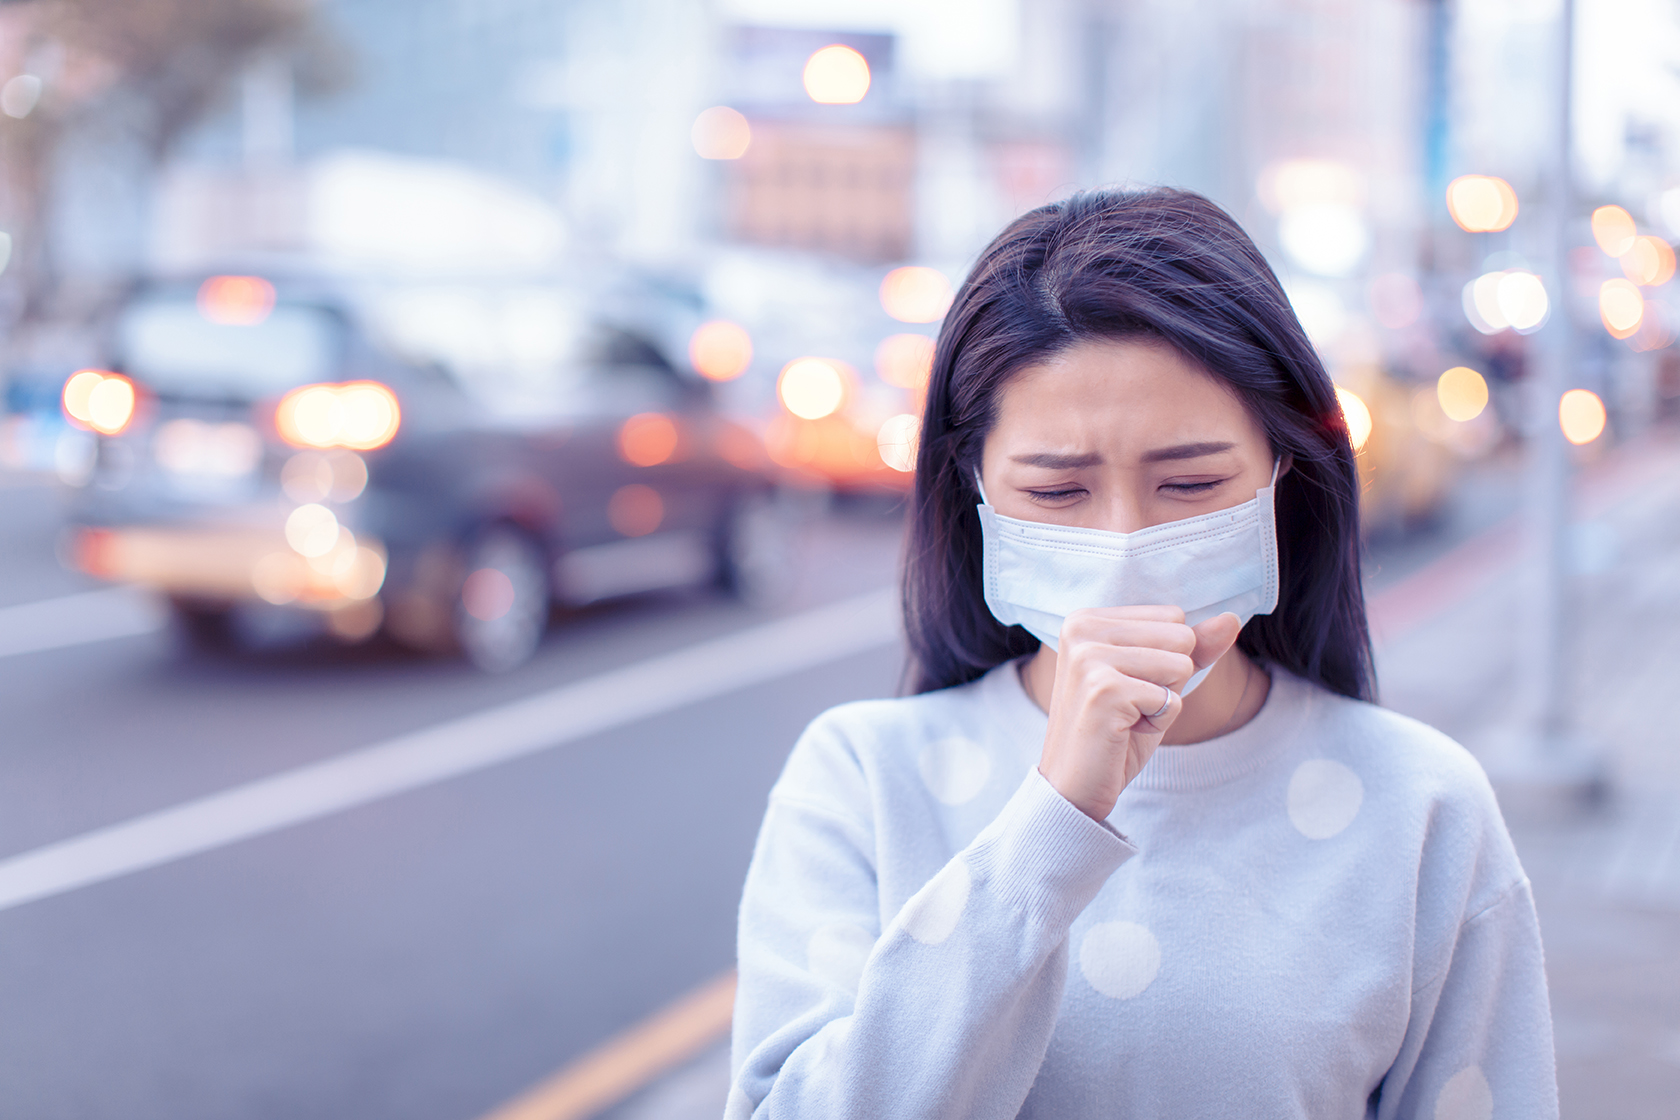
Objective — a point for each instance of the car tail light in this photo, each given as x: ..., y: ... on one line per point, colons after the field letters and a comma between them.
x: 99, y: 401
x: 359, y: 415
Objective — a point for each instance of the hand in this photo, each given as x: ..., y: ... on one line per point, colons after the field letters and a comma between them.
x: 1110, y: 670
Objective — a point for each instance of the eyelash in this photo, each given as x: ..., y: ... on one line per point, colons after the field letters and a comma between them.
x: 1177, y: 487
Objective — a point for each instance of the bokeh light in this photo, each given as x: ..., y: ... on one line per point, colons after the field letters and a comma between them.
x: 99, y: 400
x: 1649, y: 262
x: 811, y: 388
x: 905, y: 360
x: 647, y: 439
x: 720, y: 350
x: 1481, y: 203
x: 1512, y: 298
x: 312, y: 530
x: 1621, y: 307
x: 362, y: 415
x: 1463, y: 393
x: 1522, y: 300
x: 836, y: 75
x: 1614, y: 230
x: 1358, y: 417
x: 896, y: 440
x: 236, y: 301
x: 1581, y: 416
x: 635, y: 510
x: 1326, y: 238
x: 914, y: 294
x: 721, y: 133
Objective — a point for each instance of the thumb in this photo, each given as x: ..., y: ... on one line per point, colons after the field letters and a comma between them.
x: 1214, y: 637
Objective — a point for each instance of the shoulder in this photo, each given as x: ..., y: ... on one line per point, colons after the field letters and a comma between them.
x: 852, y: 747
x: 1420, y: 783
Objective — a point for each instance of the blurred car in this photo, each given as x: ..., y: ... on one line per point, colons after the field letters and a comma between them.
x: 1404, y: 447
x: 443, y: 462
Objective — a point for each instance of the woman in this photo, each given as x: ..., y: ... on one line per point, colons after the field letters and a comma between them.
x: 1140, y: 845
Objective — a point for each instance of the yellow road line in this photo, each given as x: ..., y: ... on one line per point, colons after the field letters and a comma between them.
x: 621, y: 1065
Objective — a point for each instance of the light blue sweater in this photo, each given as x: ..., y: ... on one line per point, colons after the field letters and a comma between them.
x: 1317, y: 915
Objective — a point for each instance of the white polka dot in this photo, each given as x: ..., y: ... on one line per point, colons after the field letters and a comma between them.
x: 1120, y: 959
x: 1465, y: 1096
x: 955, y: 770
x: 1324, y: 797
x: 836, y: 952
x: 932, y: 912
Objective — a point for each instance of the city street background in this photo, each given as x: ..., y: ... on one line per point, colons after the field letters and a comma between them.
x: 449, y: 449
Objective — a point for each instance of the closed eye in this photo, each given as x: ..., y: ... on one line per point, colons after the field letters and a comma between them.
x: 1191, y: 487
x: 1047, y: 496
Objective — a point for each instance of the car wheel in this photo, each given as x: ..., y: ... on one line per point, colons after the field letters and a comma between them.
x: 756, y: 561
x: 502, y: 610
x: 203, y: 627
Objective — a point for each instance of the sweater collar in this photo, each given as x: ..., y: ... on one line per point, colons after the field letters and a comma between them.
x: 1193, y: 766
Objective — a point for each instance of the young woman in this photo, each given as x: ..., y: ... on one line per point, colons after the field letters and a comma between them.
x: 1140, y: 845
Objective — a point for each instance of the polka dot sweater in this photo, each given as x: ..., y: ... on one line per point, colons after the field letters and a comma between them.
x: 1317, y: 915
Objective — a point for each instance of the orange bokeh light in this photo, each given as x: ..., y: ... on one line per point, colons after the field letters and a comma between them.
x: 1357, y: 415
x: 905, y: 360
x: 98, y: 400
x: 812, y: 388
x: 914, y: 294
x: 1581, y: 416
x: 1613, y: 229
x: 897, y: 440
x: 1649, y: 262
x: 359, y: 415
x: 1481, y: 203
x: 647, y: 439
x: 1621, y: 307
x: 836, y: 75
x: 635, y: 510
x: 721, y: 133
x: 236, y: 301
x: 720, y: 350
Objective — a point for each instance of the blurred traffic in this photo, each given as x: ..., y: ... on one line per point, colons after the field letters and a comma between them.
x: 372, y: 368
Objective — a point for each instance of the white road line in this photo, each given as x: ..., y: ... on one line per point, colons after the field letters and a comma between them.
x: 73, y: 620
x: 523, y: 727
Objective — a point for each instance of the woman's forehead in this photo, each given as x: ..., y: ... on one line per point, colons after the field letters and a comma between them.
x: 1108, y: 393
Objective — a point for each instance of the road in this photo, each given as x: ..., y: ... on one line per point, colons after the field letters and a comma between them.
x: 428, y: 954
x: 438, y: 944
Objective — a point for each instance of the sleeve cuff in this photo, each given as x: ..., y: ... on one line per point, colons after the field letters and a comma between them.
x: 1044, y: 857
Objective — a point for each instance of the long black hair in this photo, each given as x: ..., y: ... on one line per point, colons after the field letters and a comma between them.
x: 1166, y: 265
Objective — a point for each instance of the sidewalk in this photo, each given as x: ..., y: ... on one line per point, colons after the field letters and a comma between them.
x: 1607, y: 882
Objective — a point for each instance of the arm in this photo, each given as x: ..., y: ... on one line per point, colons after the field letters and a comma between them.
x: 1480, y: 1039
x: 947, y: 1013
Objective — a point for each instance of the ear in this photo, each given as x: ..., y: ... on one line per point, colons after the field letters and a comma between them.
x: 1285, y: 465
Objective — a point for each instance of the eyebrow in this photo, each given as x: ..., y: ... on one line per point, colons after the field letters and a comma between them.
x: 1051, y: 461
x: 1185, y: 451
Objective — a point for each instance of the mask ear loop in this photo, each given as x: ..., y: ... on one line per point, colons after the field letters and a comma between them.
x: 981, y: 486
x: 1277, y: 465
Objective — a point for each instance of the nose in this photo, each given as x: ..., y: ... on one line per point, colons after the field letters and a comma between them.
x: 1123, y: 512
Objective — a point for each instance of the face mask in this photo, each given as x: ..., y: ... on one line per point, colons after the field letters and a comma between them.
x: 1037, y: 574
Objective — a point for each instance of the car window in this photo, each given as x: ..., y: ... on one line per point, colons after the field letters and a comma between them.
x: 169, y: 345
x: 529, y: 353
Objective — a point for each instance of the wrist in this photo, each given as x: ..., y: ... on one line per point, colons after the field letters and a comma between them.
x: 1097, y: 807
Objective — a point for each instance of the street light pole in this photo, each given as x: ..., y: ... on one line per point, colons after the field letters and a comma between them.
x: 1543, y: 759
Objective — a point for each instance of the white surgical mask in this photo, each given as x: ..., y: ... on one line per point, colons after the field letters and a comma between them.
x: 1037, y: 574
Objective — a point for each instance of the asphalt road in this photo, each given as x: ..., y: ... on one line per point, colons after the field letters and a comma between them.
x: 424, y: 955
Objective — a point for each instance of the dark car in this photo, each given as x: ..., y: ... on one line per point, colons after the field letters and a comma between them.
x: 442, y: 461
